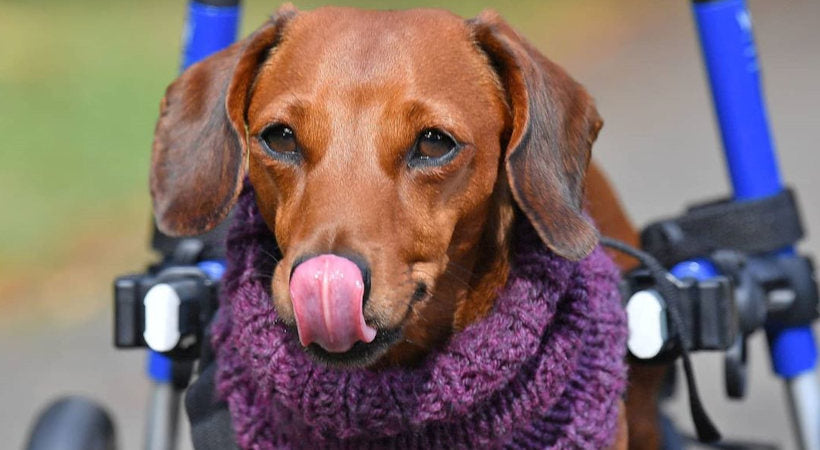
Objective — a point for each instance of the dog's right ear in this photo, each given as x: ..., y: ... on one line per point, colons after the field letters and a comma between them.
x: 200, y: 144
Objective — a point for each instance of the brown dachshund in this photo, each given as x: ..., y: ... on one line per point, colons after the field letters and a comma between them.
x: 397, y: 145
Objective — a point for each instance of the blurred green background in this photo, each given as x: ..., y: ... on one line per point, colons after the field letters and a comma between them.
x: 80, y: 85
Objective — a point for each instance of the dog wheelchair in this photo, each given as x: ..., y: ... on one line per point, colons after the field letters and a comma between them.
x: 709, y: 278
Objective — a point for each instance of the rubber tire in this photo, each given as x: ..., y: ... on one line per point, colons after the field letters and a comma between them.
x: 73, y: 423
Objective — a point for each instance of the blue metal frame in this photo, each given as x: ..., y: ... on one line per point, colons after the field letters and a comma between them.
x: 725, y: 31
x: 210, y: 27
x: 727, y: 42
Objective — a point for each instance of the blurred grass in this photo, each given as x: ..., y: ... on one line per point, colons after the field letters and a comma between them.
x: 80, y: 84
x: 77, y: 114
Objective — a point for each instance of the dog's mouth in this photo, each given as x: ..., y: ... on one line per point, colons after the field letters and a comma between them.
x: 364, y: 354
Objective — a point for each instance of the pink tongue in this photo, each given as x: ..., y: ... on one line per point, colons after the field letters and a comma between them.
x: 326, y: 292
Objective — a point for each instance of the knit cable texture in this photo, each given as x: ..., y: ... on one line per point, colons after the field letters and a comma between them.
x: 544, y: 370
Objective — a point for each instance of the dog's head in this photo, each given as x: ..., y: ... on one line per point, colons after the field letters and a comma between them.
x: 389, y: 152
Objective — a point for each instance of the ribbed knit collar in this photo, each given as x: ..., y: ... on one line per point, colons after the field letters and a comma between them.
x: 544, y: 369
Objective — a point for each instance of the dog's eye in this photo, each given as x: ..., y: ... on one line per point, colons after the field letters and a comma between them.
x: 433, y: 148
x: 279, y: 140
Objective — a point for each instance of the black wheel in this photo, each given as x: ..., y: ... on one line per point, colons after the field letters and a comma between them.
x: 72, y: 423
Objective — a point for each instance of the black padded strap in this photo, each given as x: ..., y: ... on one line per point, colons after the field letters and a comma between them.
x: 752, y: 227
x: 211, y: 426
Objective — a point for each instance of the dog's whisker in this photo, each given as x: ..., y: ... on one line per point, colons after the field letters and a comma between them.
x: 275, y: 258
x: 261, y: 276
x: 455, y: 265
x: 457, y: 278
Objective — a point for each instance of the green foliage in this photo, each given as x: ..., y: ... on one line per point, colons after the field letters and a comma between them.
x: 79, y: 89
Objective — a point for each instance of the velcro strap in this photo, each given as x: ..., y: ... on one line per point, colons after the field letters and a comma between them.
x: 753, y: 227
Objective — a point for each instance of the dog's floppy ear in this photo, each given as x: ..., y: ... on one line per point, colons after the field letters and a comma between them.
x: 554, y: 123
x: 200, y: 149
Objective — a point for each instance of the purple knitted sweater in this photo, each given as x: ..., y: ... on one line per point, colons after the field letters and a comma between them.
x: 544, y: 370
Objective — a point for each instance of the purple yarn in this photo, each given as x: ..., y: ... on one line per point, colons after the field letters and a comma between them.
x: 544, y: 369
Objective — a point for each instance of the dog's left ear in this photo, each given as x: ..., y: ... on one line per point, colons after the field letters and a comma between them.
x: 554, y: 123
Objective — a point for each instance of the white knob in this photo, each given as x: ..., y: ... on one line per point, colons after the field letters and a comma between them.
x: 646, y: 313
x: 161, y: 318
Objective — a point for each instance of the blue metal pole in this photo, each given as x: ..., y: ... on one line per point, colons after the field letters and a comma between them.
x: 728, y: 48
x: 725, y: 31
x: 727, y: 42
x: 211, y: 26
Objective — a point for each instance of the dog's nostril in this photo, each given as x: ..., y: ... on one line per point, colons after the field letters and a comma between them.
x: 298, y: 261
x: 365, y: 279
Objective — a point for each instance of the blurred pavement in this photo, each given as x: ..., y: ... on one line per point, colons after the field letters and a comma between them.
x: 659, y: 146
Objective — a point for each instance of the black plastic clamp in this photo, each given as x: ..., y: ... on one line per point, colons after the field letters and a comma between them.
x: 707, y: 309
